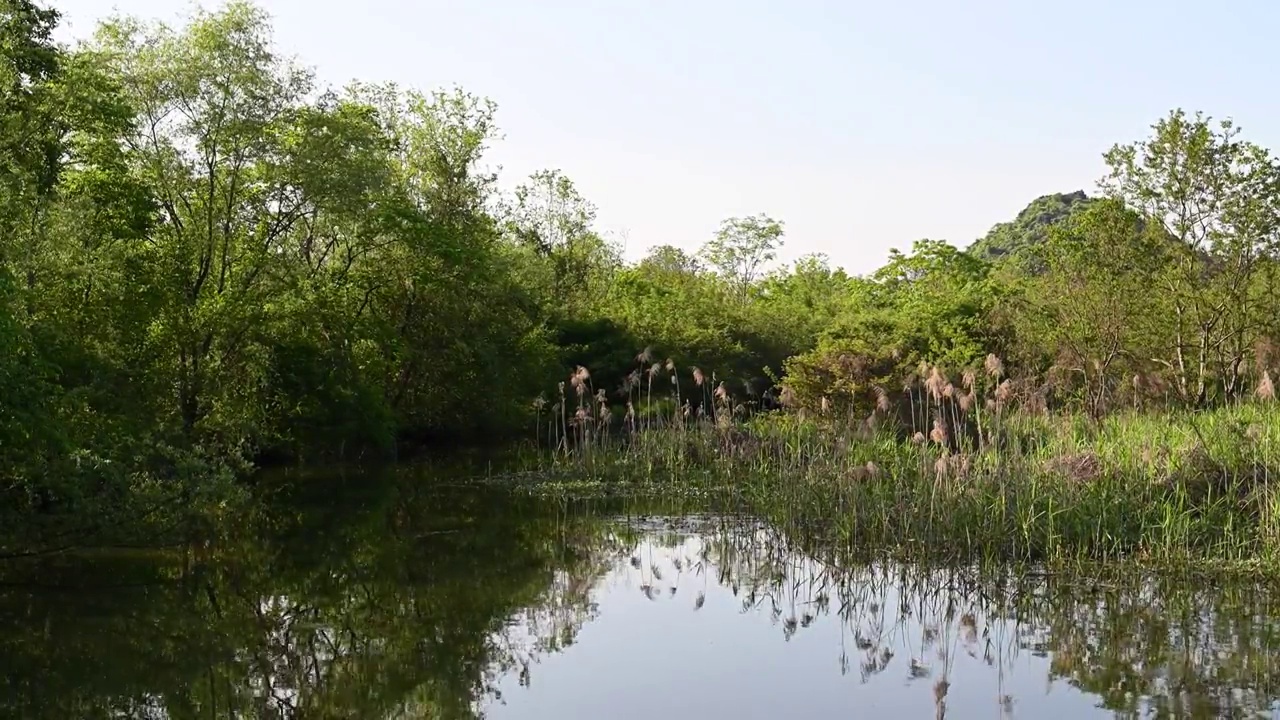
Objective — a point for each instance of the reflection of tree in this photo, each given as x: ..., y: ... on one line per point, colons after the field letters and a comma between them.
x: 394, y: 602
x: 1194, y: 650
x: 384, y: 599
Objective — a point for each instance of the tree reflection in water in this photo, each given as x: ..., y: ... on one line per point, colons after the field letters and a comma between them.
x: 388, y: 596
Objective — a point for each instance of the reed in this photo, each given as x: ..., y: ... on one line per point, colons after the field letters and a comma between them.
x: 978, y: 469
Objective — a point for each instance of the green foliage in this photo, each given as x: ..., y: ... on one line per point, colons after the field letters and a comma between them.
x: 797, y: 304
x: 30, y: 142
x: 1092, y: 315
x: 227, y: 261
x: 933, y: 306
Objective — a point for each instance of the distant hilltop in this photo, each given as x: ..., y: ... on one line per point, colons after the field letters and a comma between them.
x: 1031, y: 226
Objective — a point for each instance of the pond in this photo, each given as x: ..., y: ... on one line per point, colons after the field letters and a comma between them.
x: 393, y: 595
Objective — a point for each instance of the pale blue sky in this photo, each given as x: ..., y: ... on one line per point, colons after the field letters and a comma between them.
x: 861, y: 125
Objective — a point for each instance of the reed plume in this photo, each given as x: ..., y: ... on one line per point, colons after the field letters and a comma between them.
x: 940, y: 433
x: 935, y: 383
x: 1004, y: 391
x: 787, y: 397
x: 882, y: 399
x: 1266, y: 388
x: 994, y: 366
x: 648, y: 392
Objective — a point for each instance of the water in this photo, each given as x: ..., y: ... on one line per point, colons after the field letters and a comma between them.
x: 385, y: 596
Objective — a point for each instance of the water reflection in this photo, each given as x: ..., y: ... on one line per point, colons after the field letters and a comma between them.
x: 391, y: 597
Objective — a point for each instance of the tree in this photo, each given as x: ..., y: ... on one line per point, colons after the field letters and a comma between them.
x: 940, y: 300
x: 551, y: 219
x: 45, y: 97
x: 260, y: 195
x: 670, y: 259
x: 1219, y: 197
x: 458, y: 334
x: 30, y: 142
x: 1091, y: 309
x: 742, y: 246
x: 933, y: 305
x: 797, y: 304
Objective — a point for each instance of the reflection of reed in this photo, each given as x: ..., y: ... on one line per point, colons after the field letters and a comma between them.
x: 1140, y: 643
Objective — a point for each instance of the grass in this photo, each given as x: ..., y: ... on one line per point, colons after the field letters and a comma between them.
x: 988, y: 480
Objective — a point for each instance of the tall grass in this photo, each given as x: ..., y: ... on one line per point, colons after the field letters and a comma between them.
x: 975, y: 470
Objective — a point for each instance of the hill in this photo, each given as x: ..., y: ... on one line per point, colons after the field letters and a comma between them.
x: 1031, y: 226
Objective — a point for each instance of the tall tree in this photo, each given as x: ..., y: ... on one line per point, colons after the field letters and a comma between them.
x: 459, y: 335
x: 742, y: 247
x: 30, y: 154
x: 247, y: 175
x: 553, y: 220
x: 1218, y: 196
x: 30, y: 146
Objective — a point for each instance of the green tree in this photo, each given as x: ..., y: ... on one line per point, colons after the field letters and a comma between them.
x: 666, y: 301
x: 672, y: 260
x: 216, y: 118
x: 65, y: 196
x: 550, y: 219
x: 1092, y: 311
x: 798, y: 303
x: 934, y: 305
x: 30, y: 142
x: 1219, y: 197
x: 29, y: 154
x: 741, y: 248
x: 941, y: 300
x: 464, y: 336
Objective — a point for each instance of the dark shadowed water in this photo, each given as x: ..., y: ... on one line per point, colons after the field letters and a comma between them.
x: 387, y: 596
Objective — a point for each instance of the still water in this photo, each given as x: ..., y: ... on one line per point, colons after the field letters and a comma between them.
x: 390, y: 596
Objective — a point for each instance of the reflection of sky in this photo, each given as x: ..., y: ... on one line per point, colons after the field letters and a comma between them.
x: 662, y: 658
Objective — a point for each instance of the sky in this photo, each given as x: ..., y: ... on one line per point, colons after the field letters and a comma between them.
x: 862, y: 126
